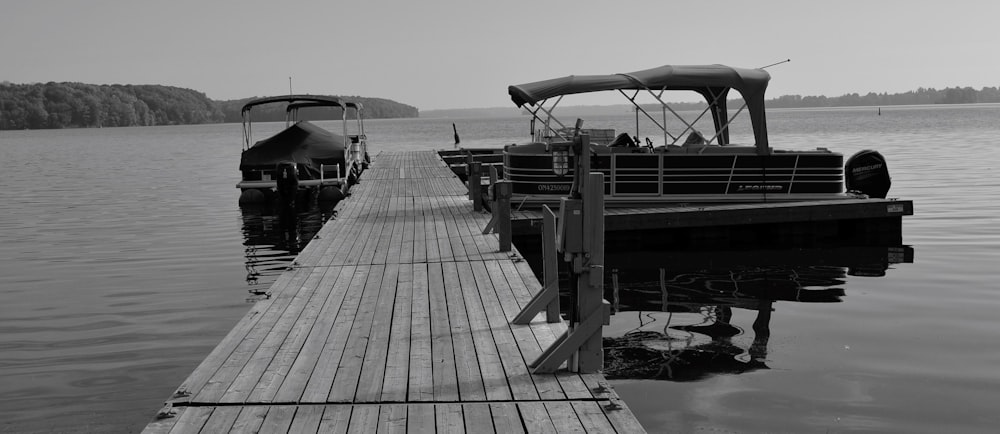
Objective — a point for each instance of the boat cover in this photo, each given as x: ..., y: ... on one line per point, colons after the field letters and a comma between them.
x: 316, y: 100
x: 709, y: 80
x: 303, y: 142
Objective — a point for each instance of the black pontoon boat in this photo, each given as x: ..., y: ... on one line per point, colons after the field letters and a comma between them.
x: 302, y: 157
x: 687, y: 166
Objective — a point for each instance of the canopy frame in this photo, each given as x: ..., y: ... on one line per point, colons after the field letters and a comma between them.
x: 357, y: 147
x: 712, y: 82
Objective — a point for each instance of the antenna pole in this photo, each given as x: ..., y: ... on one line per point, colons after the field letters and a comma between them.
x: 290, y: 86
x: 776, y: 63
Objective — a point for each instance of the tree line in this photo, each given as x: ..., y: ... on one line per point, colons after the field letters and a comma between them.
x: 921, y: 96
x: 80, y: 105
x: 374, y: 108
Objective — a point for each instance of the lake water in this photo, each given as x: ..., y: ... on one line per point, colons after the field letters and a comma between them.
x: 125, y: 260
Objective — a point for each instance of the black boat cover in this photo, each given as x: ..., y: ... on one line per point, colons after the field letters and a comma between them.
x: 304, y: 143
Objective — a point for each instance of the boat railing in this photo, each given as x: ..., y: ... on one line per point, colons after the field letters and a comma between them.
x: 324, y: 168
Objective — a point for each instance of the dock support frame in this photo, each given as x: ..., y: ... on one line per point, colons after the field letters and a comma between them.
x: 580, y: 237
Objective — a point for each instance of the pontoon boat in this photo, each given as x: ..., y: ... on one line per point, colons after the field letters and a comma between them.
x: 686, y: 165
x: 318, y: 160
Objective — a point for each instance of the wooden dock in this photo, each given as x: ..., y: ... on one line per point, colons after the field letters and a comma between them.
x: 395, y: 318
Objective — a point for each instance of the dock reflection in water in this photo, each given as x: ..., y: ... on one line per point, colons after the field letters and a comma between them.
x: 271, y: 240
x: 673, y: 311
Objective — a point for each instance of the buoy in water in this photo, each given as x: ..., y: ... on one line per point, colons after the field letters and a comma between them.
x: 330, y: 194
x: 252, y: 196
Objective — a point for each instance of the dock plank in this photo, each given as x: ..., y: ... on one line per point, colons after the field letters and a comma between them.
x: 490, y: 364
x: 421, y: 372
x: 345, y: 383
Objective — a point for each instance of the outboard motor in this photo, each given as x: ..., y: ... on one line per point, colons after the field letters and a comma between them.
x: 866, y: 172
x: 287, y: 179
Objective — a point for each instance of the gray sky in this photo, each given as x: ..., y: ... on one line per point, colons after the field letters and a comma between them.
x: 437, y: 54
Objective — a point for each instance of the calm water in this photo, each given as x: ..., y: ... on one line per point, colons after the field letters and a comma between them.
x: 125, y: 260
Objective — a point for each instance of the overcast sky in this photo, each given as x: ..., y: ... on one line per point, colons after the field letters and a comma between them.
x: 438, y: 54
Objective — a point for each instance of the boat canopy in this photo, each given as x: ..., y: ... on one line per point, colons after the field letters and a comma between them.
x: 314, y: 100
x: 713, y: 82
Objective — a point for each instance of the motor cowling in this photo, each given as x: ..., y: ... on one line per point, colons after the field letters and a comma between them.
x: 287, y: 179
x: 866, y: 172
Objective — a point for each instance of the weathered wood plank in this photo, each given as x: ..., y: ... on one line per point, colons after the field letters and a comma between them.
x: 396, y: 378
x: 478, y: 419
x: 345, y: 384
x: 292, y: 348
x: 191, y: 419
x: 514, y: 366
x: 449, y: 419
x: 373, y: 366
x: 421, y: 372
x: 241, y: 340
x: 278, y: 418
x: 286, y: 324
x: 442, y: 346
x: 506, y: 418
x: 591, y: 417
x: 321, y: 381
x: 392, y: 419
x: 250, y: 419
x: 336, y: 419
x: 536, y: 418
x: 547, y: 386
x: 563, y: 417
x: 222, y: 419
x: 494, y: 379
x: 307, y: 419
x: 301, y: 369
x: 364, y: 419
x: 420, y: 418
x: 470, y: 378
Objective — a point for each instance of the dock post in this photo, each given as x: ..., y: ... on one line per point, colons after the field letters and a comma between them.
x: 499, y: 197
x: 500, y: 210
x: 581, y: 239
x: 502, y: 213
x: 491, y: 226
x: 548, y: 297
x: 493, y: 180
x: 474, y: 179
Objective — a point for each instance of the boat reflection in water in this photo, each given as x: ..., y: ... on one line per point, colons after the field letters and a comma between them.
x: 673, y: 311
x: 273, y: 238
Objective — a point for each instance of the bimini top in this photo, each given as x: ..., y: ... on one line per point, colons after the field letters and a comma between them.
x: 750, y: 82
x: 312, y: 100
x: 713, y: 82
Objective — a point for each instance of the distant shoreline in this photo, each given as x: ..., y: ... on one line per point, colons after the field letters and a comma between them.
x: 593, y: 110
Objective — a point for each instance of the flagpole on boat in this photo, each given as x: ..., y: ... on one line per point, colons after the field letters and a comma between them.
x: 775, y: 64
